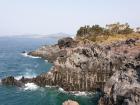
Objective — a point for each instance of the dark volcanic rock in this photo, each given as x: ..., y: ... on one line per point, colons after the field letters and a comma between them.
x: 11, y: 81
x: 113, y: 68
x: 65, y: 42
x: 130, y: 41
x: 84, y: 68
x: 138, y: 57
x: 123, y: 88
x: 23, y: 52
x: 51, y: 53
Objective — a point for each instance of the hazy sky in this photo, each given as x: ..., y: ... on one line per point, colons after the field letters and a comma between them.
x: 53, y: 16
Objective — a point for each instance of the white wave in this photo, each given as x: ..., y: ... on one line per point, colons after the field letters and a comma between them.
x: 61, y: 89
x: 30, y: 56
x: 30, y: 86
x: 83, y: 93
x: 76, y: 93
x: 18, y: 77
x: 80, y: 93
x: 48, y: 86
x: 46, y: 61
x: 0, y: 81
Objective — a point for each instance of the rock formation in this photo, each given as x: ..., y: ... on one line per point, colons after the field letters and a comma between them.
x: 48, y: 52
x: 86, y: 66
x: 52, y: 52
x: 66, y: 42
x: 11, y: 81
x: 123, y: 88
x: 70, y: 102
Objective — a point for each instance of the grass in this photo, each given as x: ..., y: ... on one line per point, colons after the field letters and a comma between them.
x: 113, y: 38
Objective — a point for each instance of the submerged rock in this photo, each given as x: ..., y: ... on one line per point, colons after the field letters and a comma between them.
x: 23, y: 52
x: 70, y: 102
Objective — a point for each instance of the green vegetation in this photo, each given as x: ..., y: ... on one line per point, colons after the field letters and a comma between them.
x: 90, y: 31
x: 116, y: 31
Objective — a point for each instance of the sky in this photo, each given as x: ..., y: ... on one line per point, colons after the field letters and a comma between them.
x: 42, y: 17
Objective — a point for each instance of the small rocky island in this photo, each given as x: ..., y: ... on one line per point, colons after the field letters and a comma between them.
x: 98, y: 59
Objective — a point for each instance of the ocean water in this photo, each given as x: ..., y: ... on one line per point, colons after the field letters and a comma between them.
x: 12, y: 62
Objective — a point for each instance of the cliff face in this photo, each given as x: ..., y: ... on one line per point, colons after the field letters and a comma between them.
x: 52, y: 52
x: 86, y: 66
x: 114, y: 68
x: 49, y: 52
x: 123, y: 88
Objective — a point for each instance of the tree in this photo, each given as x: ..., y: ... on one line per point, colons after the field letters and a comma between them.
x: 127, y: 30
x: 97, y: 30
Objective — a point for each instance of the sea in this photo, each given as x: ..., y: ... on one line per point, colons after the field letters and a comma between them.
x: 14, y: 63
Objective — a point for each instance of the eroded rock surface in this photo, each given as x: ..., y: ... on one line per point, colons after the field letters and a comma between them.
x: 114, y: 68
x: 123, y: 88
x: 49, y: 52
x: 52, y: 52
x: 66, y: 42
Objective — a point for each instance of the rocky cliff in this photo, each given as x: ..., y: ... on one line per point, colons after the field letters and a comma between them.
x: 86, y: 66
x: 123, y: 88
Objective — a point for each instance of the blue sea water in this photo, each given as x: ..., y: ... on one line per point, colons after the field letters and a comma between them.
x: 12, y: 62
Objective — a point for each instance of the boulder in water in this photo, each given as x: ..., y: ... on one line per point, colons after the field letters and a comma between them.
x: 70, y: 102
x: 11, y: 81
x: 23, y: 52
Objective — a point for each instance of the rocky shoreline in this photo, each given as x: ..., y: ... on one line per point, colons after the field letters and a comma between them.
x: 111, y: 68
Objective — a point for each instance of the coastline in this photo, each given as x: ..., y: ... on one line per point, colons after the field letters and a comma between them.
x: 73, y: 71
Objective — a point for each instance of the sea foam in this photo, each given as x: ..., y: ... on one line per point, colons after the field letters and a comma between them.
x: 83, y: 93
x: 78, y: 93
x: 30, y: 56
x: 61, y: 89
x: 30, y: 86
x: 48, y: 86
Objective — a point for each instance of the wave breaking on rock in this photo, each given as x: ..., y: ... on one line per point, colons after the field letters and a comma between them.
x: 30, y: 86
x: 113, y: 69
